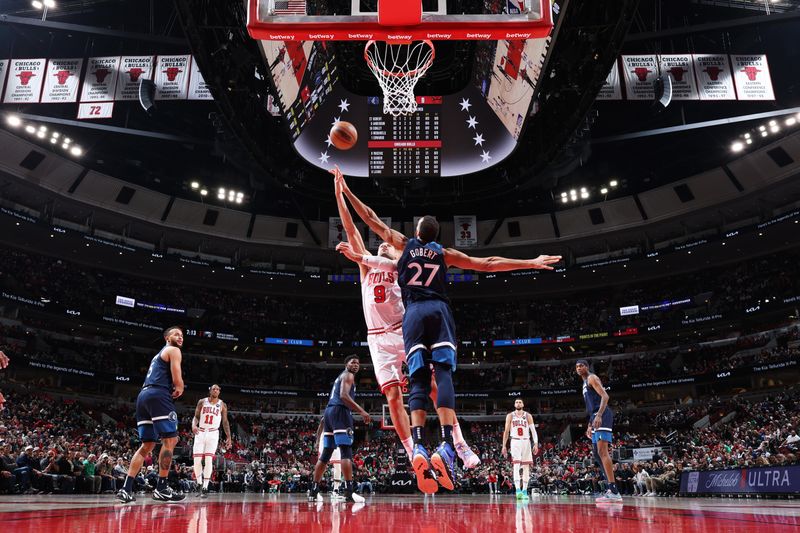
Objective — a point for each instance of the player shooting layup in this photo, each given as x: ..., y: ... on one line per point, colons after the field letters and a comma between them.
x: 383, y: 312
x: 428, y: 325
x: 208, y: 415
x: 520, y: 427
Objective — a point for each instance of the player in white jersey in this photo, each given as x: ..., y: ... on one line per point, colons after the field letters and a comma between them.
x: 383, y: 311
x: 520, y: 427
x: 209, y: 414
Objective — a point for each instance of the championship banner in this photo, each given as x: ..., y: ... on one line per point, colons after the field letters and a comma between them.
x: 762, y: 480
x: 680, y: 68
x: 198, y: 88
x: 714, y: 78
x: 133, y: 69
x: 3, y: 71
x: 466, y: 230
x: 61, y: 81
x: 640, y: 74
x: 611, y: 89
x: 25, y: 78
x: 374, y: 240
x: 172, y: 77
x: 336, y: 233
x: 751, y: 75
x: 100, y: 80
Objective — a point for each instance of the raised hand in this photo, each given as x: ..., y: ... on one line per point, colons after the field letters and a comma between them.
x: 543, y: 262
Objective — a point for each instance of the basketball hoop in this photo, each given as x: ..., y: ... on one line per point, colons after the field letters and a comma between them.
x: 398, y: 67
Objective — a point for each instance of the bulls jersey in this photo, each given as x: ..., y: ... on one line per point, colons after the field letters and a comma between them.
x: 382, y: 301
x: 421, y: 269
x: 210, y: 414
x: 520, y: 428
x: 335, y: 398
x: 159, y: 373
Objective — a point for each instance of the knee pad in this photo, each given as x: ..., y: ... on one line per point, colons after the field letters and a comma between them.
x: 446, y: 396
x: 420, y: 389
x: 325, y: 456
x: 347, y: 452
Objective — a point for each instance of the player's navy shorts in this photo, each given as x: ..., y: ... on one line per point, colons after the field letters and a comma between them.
x: 155, y: 414
x: 429, y: 334
x: 338, y: 427
x: 604, y: 432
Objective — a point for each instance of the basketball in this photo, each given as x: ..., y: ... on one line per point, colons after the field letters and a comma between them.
x: 344, y: 135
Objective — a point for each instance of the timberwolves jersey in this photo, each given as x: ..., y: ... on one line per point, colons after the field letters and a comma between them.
x: 336, y: 399
x: 421, y: 270
x: 159, y: 374
x: 592, y: 399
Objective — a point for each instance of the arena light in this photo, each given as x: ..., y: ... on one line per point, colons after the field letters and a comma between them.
x: 53, y: 140
x: 203, y: 192
x: 37, y: 4
x: 195, y: 185
x: 564, y: 200
x: 584, y: 195
x: 738, y: 146
x: 40, y: 134
x: 603, y: 191
x: 13, y: 121
x: 65, y: 146
x: 56, y: 135
x: 240, y: 195
x: 238, y: 200
x: 613, y: 183
x: 775, y: 129
x: 563, y: 195
x: 772, y: 123
x: 76, y: 150
x: 220, y: 196
x: 30, y: 129
x: 764, y: 134
x: 43, y: 128
x: 50, y: 3
x: 762, y: 128
x: 791, y: 121
x: 67, y: 140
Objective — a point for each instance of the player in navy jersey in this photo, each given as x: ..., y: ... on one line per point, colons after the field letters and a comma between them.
x: 428, y: 326
x: 156, y: 418
x: 599, y: 428
x: 337, y: 430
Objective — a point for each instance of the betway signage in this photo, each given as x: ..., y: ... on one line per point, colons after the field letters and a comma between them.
x: 295, y: 32
x: 763, y: 480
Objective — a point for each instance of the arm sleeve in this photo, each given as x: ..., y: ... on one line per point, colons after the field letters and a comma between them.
x: 535, y: 435
x: 381, y: 263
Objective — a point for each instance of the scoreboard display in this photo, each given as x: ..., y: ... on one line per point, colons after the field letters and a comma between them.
x: 405, y: 146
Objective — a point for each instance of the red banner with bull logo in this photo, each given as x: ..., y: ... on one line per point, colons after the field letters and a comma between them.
x: 714, y: 77
x: 25, y: 79
x: 132, y: 70
x: 100, y: 80
x: 680, y: 69
x: 62, y: 80
x: 751, y: 76
x: 172, y: 77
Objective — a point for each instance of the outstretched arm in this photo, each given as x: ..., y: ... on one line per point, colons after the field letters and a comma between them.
x: 366, y: 260
x: 393, y: 237
x: 457, y: 259
x: 353, y: 235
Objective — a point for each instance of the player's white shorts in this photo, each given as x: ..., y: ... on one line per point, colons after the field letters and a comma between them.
x: 388, y: 355
x: 521, y: 451
x: 336, y: 456
x: 205, y: 443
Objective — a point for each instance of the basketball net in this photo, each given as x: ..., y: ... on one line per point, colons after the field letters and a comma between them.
x: 398, y: 68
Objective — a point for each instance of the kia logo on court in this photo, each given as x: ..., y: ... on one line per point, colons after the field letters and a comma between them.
x: 713, y: 72
x: 401, y: 482
x: 641, y: 73
x: 134, y: 73
x: 101, y: 74
x: 751, y: 73
x: 677, y: 73
x: 25, y: 76
x: 62, y: 76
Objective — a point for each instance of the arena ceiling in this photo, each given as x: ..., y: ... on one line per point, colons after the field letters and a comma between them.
x: 232, y: 142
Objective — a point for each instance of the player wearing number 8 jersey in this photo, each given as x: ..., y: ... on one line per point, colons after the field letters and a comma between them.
x: 428, y: 326
x: 520, y: 428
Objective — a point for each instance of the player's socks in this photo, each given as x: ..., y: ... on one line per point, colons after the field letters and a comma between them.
x: 418, y: 435
x: 447, y: 435
x: 408, y: 444
x: 162, y: 483
x: 128, y: 485
x: 458, y: 438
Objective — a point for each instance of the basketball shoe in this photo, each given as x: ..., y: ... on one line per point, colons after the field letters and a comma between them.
x: 443, y: 462
x: 167, y: 495
x: 422, y: 468
x: 609, y: 497
x: 125, y: 497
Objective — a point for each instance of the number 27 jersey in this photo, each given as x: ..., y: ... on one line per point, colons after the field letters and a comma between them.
x: 422, y: 271
x: 382, y: 301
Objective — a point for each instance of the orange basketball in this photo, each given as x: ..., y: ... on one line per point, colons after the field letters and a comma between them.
x: 344, y: 135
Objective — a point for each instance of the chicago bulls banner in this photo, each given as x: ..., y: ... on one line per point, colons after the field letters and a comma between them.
x: 680, y: 68
x: 61, y: 81
x: 751, y: 75
x: 640, y: 73
x: 131, y: 70
x: 198, y: 89
x: 714, y: 77
x: 374, y: 240
x: 336, y: 233
x: 611, y: 89
x: 100, y: 80
x: 25, y: 78
x: 172, y: 77
x: 466, y: 229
